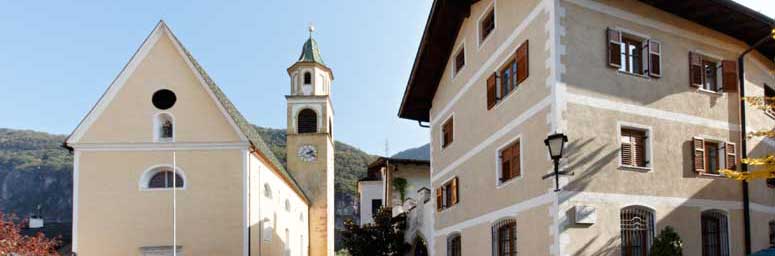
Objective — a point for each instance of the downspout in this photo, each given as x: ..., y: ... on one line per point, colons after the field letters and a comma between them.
x: 743, y: 141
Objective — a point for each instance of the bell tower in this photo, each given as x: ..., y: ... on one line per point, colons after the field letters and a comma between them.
x: 310, y: 142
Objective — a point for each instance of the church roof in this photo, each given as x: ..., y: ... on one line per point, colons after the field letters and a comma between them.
x: 247, y: 129
x: 311, y: 52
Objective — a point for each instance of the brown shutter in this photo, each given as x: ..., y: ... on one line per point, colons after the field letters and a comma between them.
x: 453, y: 187
x: 695, y: 70
x: 731, y: 157
x: 640, y: 149
x: 729, y: 75
x: 626, y: 148
x: 515, y: 163
x: 439, y: 203
x: 491, y: 90
x: 655, y: 58
x: 698, y: 145
x: 614, y: 46
x: 506, y: 163
x: 522, y: 62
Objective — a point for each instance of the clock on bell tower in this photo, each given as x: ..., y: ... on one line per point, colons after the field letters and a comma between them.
x: 310, y: 142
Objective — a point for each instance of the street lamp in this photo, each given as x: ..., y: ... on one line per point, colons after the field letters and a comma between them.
x: 556, y: 145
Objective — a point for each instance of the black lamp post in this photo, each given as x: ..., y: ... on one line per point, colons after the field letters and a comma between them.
x: 556, y: 145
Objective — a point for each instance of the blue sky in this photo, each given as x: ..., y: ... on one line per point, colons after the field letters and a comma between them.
x: 57, y: 57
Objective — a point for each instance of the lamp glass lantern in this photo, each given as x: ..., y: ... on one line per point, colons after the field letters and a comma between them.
x: 556, y: 145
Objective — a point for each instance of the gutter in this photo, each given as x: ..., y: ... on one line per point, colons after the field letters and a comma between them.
x: 743, y: 141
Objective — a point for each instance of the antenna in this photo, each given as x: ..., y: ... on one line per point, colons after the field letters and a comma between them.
x: 387, y: 147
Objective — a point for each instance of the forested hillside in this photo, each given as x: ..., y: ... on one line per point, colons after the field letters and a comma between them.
x: 36, y: 171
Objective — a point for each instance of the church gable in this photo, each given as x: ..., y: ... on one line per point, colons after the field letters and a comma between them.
x: 160, y: 96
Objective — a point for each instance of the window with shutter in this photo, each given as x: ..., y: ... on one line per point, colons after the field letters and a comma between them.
x: 522, y: 62
x: 695, y: 70
x: 634, y: 54
x: 712, y: 157
x: 698, y: 144
x: 506, y: 80
x: 510, y: 166
x: 731, y: 156
x: 447, y: 194
x: 633, y: 148
x: 447, y: 132
x: 439, y: 201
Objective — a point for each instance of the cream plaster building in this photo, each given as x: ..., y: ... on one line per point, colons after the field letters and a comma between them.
x: 647, y: 93
x: 163, y: 132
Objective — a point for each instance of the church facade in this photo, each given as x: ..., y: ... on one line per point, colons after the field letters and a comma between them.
x: 164, y: 163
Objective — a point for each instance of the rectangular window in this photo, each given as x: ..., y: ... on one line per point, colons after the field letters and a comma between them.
x: 460, y: 60
x: 447, y: 194
x: 454, y: 246
x: 710, y: 75
x: 510, y: 165
x: 633, y: 147
x: 376, y: 204
x: 711, y: 156
x: 506, y: 80
x: 631, y: 56
x: 487, y: 25
x: 447, y: 133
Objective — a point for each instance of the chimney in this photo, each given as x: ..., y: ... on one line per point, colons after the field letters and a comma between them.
x: 35, y: 222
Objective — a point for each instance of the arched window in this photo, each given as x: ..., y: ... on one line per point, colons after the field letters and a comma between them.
x: 161, y: 178
x: 637, y: 230
x: 504, y: 238
x: 164, y: 127
x: 715, y: 237
x: 453, y: 245
x: 268, y: 230
x: 307, y: 121
x: 307, y: 78
x: 267, y: 190
x: 287, y: 205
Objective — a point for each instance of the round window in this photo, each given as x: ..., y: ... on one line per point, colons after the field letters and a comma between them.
x: 163, y: 99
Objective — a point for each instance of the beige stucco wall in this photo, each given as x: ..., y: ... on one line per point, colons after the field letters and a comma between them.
x: 268, y: 214
x: 129, y: 116
x: 116, y: 217
x: 599, y: 99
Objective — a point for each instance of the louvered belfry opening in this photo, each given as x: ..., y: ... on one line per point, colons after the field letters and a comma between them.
x: 504, y: 238
x: 307, y: 121
x: 637, y: 230
x: 715, y: 238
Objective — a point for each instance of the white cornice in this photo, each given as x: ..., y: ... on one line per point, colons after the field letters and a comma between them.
x: 159, y: 146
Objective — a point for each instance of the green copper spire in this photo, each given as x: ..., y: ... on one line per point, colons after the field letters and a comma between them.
x: 310, y: 52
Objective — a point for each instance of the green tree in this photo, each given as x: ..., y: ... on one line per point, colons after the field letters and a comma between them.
x: 667, y: 243
x: 384, y: 237
x: 400, y: 185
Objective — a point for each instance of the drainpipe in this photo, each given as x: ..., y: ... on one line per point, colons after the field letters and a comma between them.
x: 743, y: 141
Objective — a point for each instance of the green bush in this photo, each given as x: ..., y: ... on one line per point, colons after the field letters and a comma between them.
x: 667, y: 243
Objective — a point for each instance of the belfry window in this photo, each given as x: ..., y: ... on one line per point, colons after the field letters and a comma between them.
x: 307, y: 121
x: 307, y: 78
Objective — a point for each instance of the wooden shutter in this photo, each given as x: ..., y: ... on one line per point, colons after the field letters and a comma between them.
x: 491, y: 90
x: 731, y: 157
x: 626, y: 148
x: 447, y: 132
x: 453, y: 193
x: 515, y: 164
x: 614, y: 46
x: 729, y: 75
x: 506, y: 163
x: 521, y: 57
x: 639, y: 139
x: 695, y: 70
x: 698, y: 145
x: 655, y: 58
x: 439, y: 202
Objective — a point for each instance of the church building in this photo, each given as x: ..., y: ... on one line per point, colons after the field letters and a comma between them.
x: 165, y: 164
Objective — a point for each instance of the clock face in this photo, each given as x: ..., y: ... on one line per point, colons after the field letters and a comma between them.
x: 308, y: 153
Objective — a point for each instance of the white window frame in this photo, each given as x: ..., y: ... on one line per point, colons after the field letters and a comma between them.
x: 722, y: 154
x: 457, y: 50
x: 624, y: 32
x: 145, y: 178
x: 649, y: 145
x: 719, y: 74
x: 498, y: 166
x: 157, y: 127
x: 441, y: 132
x: 482, y: 41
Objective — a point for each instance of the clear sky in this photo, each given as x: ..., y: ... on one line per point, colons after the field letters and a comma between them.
x: 57, y: 57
